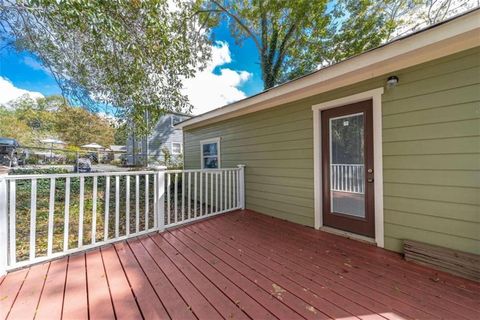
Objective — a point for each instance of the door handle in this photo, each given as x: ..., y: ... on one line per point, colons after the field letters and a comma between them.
x: 370, y: 180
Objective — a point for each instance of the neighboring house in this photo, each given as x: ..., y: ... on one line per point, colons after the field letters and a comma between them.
x: 163, y: 138
x: 117, y: 152
x: 383, y: 147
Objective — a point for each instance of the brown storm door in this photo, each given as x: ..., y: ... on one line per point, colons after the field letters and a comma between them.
x: 347, y: 161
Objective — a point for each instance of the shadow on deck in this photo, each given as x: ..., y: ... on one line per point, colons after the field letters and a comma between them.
x: 239, y: 265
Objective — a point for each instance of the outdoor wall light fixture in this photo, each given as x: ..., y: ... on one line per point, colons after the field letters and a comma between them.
x: 392, y: 82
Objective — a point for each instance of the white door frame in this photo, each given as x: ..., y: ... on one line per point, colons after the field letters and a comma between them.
x: 376, y: 96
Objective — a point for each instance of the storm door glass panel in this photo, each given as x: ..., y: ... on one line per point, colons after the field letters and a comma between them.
x: 347, y: 165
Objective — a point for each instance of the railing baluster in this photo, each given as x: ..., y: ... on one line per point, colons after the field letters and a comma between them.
x: 175, y: 203
x: 183, y: 195
x: 13, y: 225
x: 155, y: 200
x: 221, y: 190
x: 107, y: 208
x: 117, y: 206
x: 33, y: 218
x: 94, y: 210
x: 147, y: 195
x: 206, y: 193
x: 81, y: 206
x: 51, y: 208
x: 234, y: 178
x: 137, y: 203
x: 211, y: 192
x: 201, y: 192
x: 66, y: 222
x: 195, y: 195
x: 216, y: 192
x: 189, y: 195
x: 169, y: 178
x: 127, y: 206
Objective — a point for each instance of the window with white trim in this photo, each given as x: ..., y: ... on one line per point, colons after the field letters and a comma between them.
x: 176, y: 148
x: 210, y: 153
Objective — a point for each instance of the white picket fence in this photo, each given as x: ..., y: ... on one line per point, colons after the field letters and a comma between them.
x: 347, y: 178
x: 51, y: 215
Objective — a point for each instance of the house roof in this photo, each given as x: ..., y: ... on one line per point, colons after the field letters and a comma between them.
x: 448, y: 37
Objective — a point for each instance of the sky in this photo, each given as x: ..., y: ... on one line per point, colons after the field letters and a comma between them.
x: 232, y: 74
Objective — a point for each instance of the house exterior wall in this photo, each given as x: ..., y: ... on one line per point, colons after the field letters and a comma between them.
x: 161, y: 137
x: 431, y: 154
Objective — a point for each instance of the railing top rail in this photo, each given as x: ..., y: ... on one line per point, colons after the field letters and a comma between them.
x: 201, y: 170
x: 102, y: 174
x: 348, y: 164
x: 74, y: 175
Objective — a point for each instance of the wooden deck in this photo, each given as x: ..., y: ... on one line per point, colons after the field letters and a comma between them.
x: 241, y: 265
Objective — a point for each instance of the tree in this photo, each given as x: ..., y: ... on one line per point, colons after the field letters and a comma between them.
x: 78, y: 126
x: 296, y: 37
x: 128, y: 54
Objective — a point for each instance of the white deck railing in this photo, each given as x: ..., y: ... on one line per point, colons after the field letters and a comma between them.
x: 347, y: 178
x: 50, y: 215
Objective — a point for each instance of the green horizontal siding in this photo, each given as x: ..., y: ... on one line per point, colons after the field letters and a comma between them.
x: 431, y: 154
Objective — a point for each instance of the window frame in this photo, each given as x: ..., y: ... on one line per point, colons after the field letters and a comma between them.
x: 181, y: 148
x: 210, y: 141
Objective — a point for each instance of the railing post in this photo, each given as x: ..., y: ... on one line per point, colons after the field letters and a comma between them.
x: 3, y: 221
x: 160, y: 209
x: 241, y: 186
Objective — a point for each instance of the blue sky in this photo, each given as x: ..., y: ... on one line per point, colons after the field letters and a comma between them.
x: 24, y: 71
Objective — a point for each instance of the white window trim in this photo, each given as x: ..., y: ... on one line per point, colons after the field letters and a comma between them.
x: 376, y: 96
x: 209, y: 141
x: 181, y: 148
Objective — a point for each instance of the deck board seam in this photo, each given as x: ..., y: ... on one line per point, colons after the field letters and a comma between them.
x: 220, y: 289
x: 128, y: 281
x: 188, y: 278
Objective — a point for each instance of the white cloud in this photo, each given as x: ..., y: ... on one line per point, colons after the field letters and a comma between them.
x: 34, y: 64
x: 208, y: 90
x: 9, y: 93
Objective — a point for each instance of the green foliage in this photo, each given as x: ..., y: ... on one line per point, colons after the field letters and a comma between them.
x: 127, y: 54
x: 294, y: 38
x: 30, y: 121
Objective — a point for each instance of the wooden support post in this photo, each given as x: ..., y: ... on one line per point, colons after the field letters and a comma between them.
x: 3, y: 221
x: 241, y: 186
x: 160, y: 197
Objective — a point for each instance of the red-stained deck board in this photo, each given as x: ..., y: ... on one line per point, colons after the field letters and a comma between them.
x: 242, y: 299
x: 371, y: 300
x: 387, y: 289
x: 51, y: 301
x: 9, y: 289
x: 345, y: 296
x: 316, y: 303
x: 174, y: 304
x: 236, y: 266
x: 291, y: 300
x: 150, y: 304
x: 263, y: 297
x: 75, y: 302
x: 389, y: 260
x: 99, y: 300
x: 120, y: 291
x: 194, y: 298
x: 450, y: 305
x: 227, y: 308
x: 27, y: 300
x: 295, y: 273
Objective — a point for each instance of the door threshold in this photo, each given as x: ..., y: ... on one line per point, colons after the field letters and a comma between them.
x: 349, y: 235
